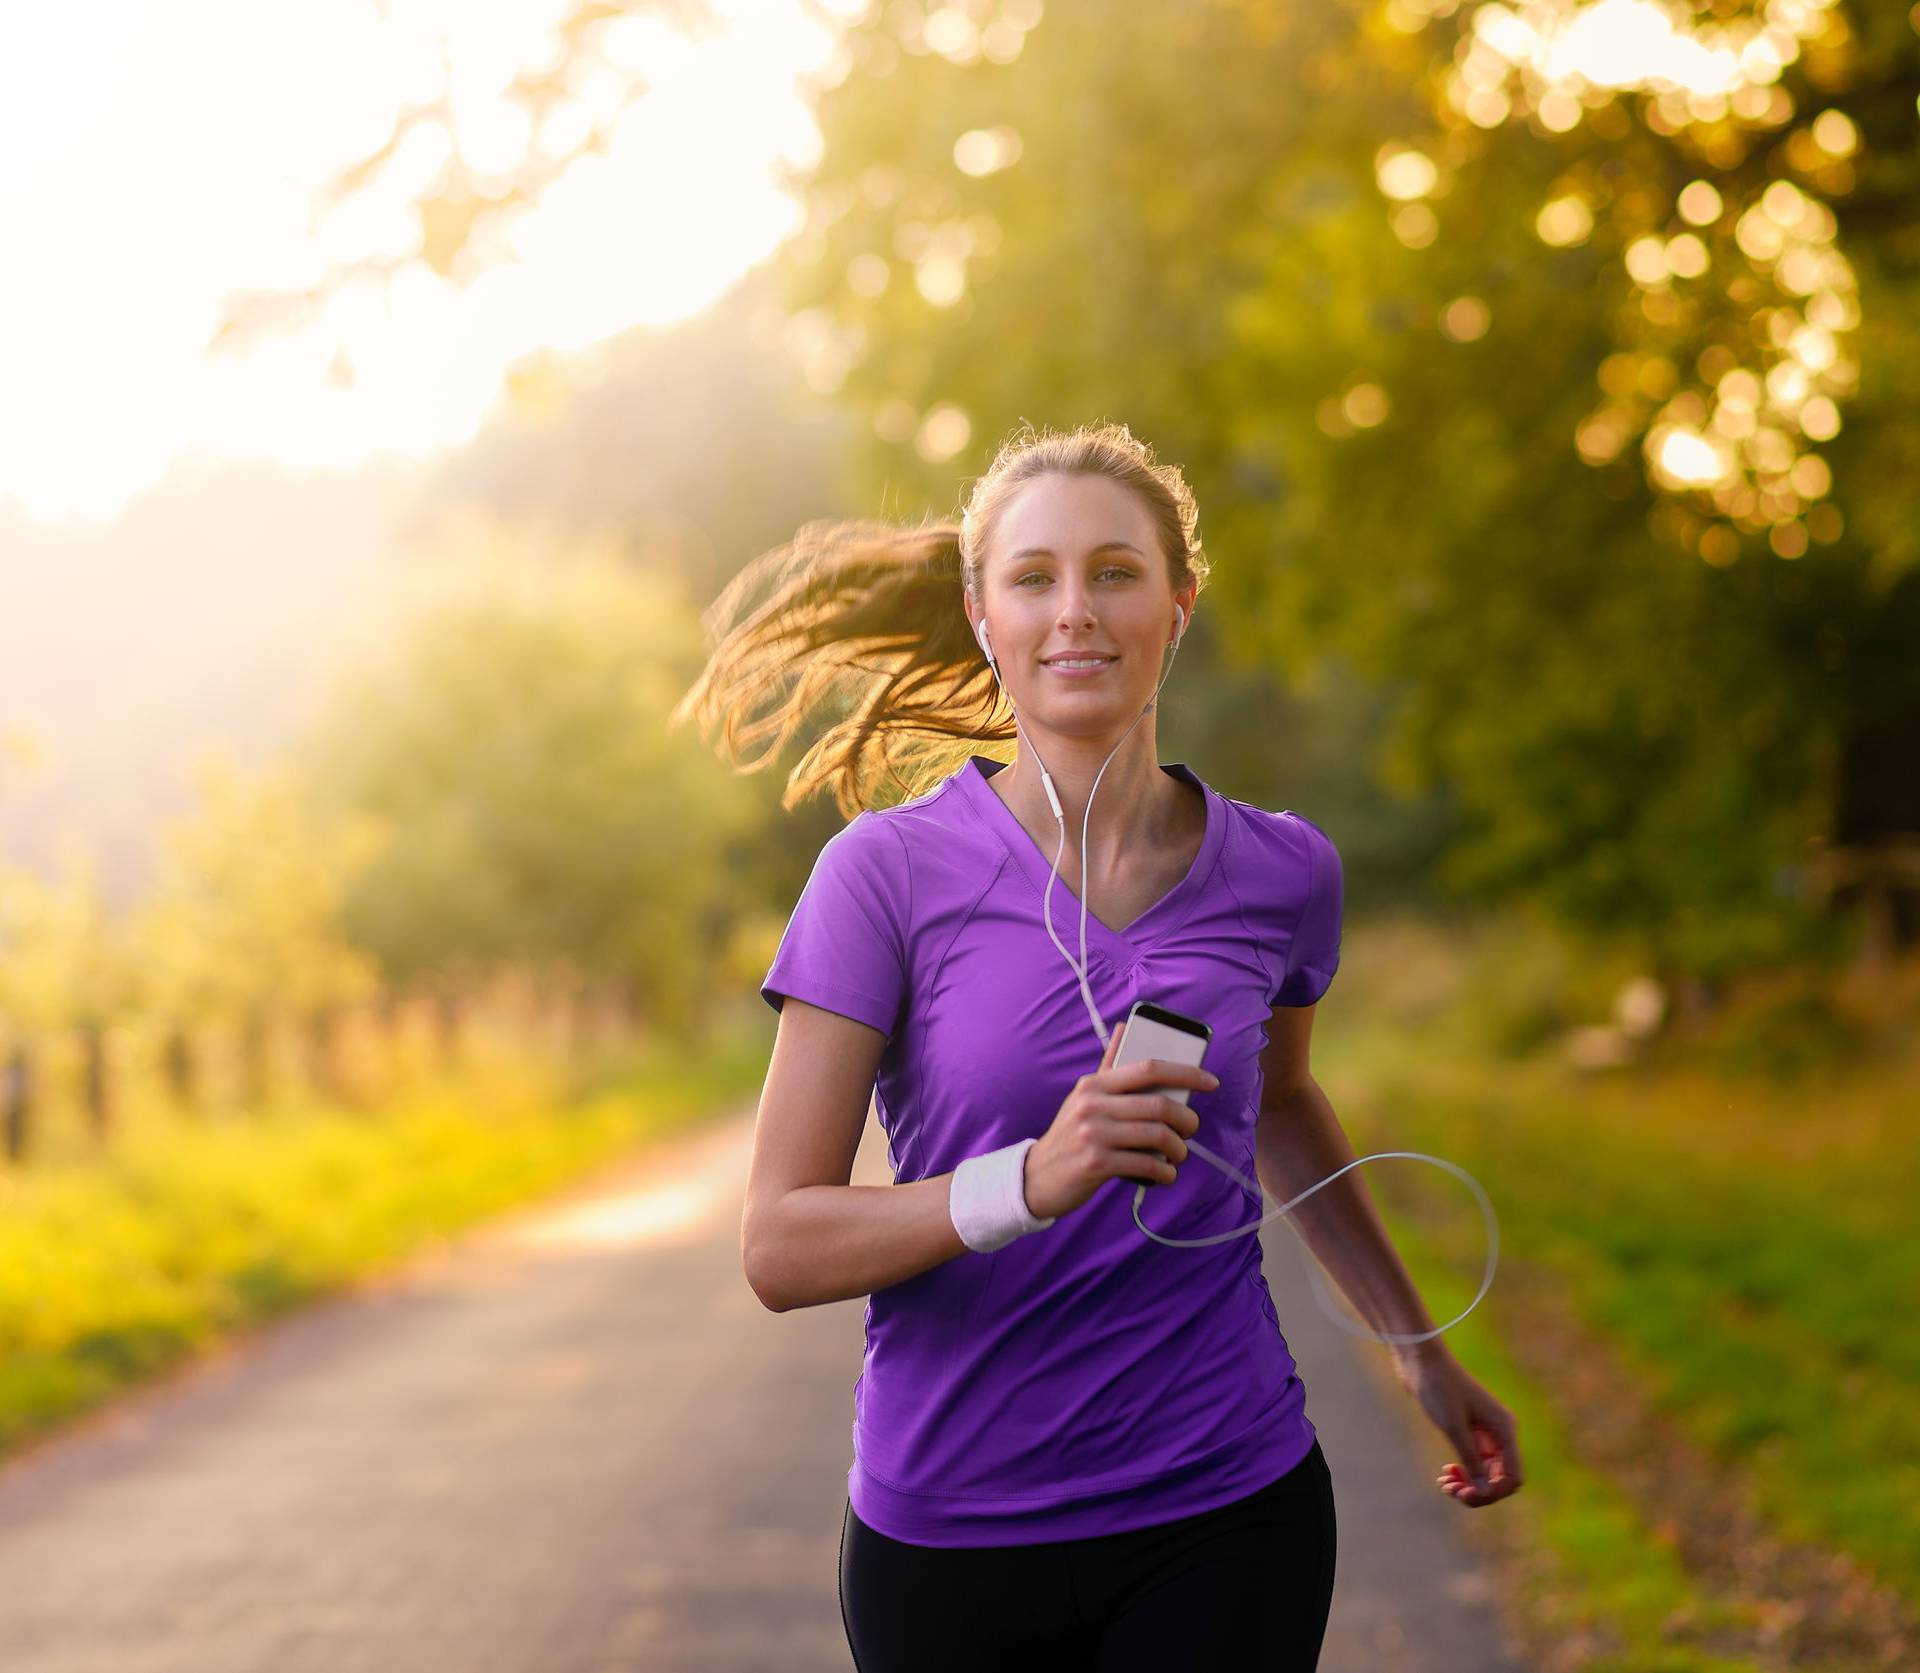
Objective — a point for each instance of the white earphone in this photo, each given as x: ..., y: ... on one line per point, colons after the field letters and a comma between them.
x: 1102, y: 1032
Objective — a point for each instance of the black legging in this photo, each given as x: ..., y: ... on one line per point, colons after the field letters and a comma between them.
x: 1244, y: 1588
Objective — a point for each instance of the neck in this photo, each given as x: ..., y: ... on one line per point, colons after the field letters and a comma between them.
x: 1137, y: 802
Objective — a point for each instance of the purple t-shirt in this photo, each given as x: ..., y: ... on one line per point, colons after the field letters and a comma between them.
x: 1083, y: 1379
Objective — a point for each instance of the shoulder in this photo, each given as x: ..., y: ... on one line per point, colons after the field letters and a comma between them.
x: 1286, y: 840
x: 933, y: 856
x: 1288, y: 877
x: 908, y: 846
x: 1322, y: 855
x: 916, y: 833
x: 1293, y: 888
x: 867, y: 849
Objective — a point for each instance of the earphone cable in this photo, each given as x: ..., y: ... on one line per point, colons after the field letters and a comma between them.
x: 1101, y: 1030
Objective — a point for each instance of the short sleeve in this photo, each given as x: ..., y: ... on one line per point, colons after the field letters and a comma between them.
x: 845, y: 946
x: 1314, y: 953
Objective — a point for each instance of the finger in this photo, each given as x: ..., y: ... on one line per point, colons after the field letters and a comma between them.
x: 1149, y: 1135
x: 1492, y: 1479
x: 1510, y: 1446
x: 1149, y: 1106
x: 1474, y: 1497
x: 1159, y: 1071
x: 1113, y: 1046
x: 1466, y: 1442
x: 1493, y: 1454
x: 1455, y: 1483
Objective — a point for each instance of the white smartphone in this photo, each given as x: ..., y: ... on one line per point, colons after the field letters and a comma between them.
x: 1173, y: 1037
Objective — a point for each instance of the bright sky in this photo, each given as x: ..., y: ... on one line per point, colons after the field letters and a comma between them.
x: 160, y: 156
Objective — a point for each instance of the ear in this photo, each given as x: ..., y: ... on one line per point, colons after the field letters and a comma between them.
x: 976, y: 618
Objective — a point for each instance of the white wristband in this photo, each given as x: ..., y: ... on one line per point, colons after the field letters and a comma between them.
x: 988, y: 1198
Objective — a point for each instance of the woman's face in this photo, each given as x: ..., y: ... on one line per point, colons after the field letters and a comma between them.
x: 1075, y: 566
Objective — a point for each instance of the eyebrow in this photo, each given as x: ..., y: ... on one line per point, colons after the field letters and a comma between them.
x: 1104, y: 546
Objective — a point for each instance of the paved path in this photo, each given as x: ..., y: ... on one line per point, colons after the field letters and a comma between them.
x: 575, y: 1443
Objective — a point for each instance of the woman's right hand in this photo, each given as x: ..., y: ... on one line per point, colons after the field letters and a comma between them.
x: 1111, y: 1127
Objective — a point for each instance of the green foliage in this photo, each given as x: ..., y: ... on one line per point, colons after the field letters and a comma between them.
x: 246, y: 899
x: 510, y: 739
x: 1751, y: 1295
x: 1638, y: 720
x: 1604, y: 1581
x: 1788, y: 1039
x: 242, y: 910
x: 115, y: 1269
x: 59, y: 957
x: 1743, y: 1251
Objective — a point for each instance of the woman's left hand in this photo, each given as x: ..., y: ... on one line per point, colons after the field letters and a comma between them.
x: 1480, y: 1429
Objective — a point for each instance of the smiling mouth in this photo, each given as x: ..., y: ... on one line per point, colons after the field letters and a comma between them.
x: 1080, y: 665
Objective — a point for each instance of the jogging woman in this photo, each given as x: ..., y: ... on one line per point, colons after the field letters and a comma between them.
x: 1073, y: 1446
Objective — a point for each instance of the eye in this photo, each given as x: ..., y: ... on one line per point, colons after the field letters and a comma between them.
x: 1119, y: 569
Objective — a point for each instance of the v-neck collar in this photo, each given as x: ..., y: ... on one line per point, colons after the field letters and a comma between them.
x: 1036, y: 866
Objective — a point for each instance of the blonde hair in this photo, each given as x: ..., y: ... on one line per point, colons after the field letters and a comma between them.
x: 865, y: 618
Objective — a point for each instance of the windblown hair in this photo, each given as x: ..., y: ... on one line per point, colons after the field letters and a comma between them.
x: 864, y: 619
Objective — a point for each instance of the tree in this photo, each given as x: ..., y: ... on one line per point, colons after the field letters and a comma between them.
x: 1570, y: 411
x: 1404, y: 350
x: 509, y: 737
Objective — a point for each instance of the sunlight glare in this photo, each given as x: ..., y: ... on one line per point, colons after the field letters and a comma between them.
x: 178, y: 151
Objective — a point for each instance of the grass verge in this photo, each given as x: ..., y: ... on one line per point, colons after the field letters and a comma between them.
x: 114, y: 1270
x: 1699, y: 1321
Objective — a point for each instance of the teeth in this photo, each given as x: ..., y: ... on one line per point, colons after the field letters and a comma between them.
x: 1080, y: 661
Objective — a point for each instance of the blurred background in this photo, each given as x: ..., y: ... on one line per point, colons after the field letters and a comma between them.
x: 388, y: 387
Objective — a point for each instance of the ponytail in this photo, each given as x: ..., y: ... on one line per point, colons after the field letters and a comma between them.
x: 864, y: 620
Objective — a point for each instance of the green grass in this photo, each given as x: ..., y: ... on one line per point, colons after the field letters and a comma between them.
x: 113, y: 1270
x: 1769, y: 1312
x: 1599, y: 1574
x: 1746, y: 1246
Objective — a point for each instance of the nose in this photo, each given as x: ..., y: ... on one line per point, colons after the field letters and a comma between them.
x: 1076, y: 607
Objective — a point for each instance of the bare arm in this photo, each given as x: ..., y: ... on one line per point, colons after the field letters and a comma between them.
x: 807, y: 1236
x: 1299, y: 1140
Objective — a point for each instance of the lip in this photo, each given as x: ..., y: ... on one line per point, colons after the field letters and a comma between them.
x: 1080, y: 673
